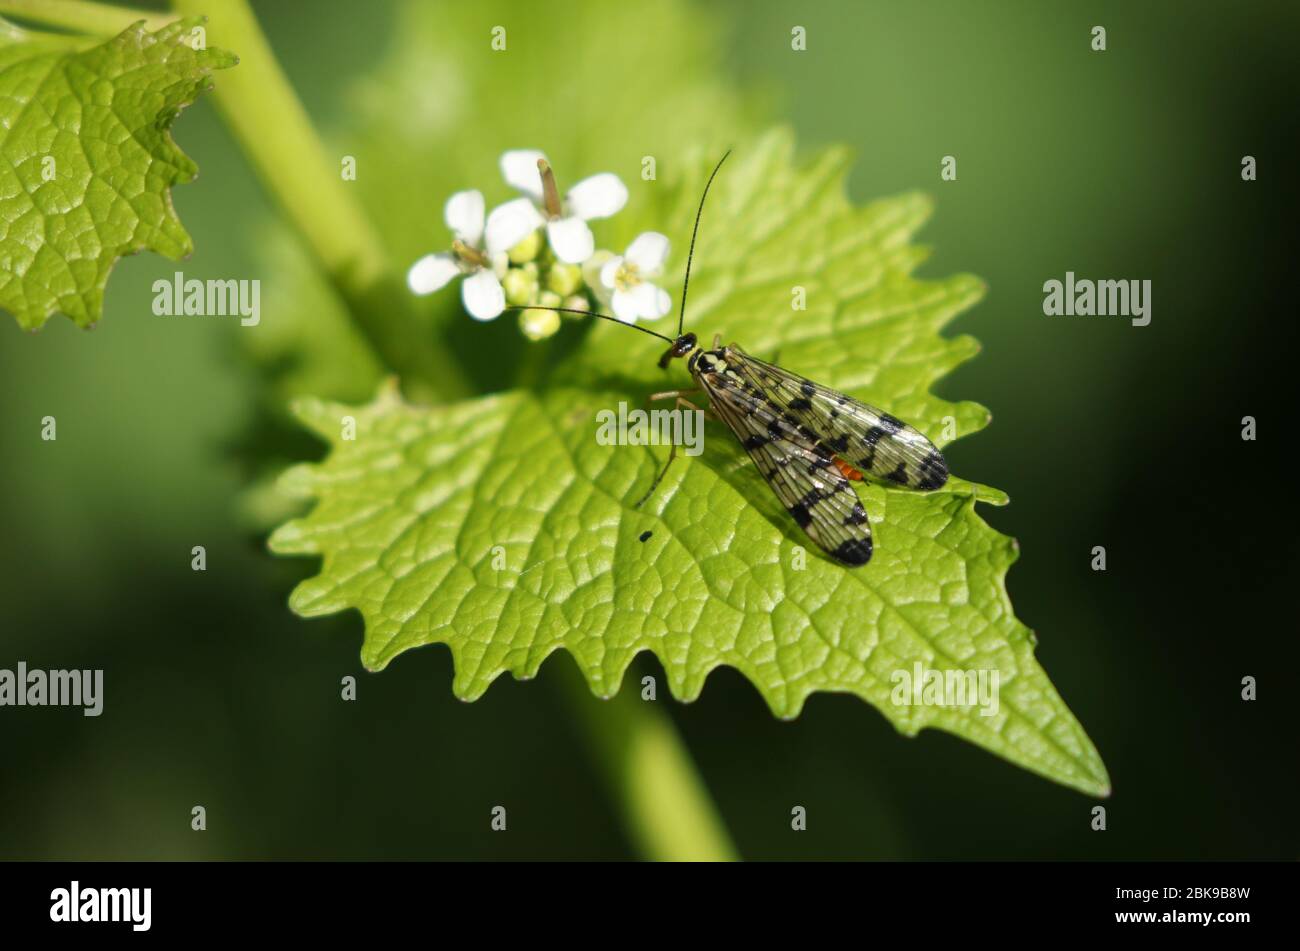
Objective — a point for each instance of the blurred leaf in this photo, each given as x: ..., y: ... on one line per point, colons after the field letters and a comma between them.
x: 415, y: 514
x: 89, y: 161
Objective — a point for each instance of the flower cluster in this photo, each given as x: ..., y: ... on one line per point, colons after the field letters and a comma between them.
x: 539, y: 250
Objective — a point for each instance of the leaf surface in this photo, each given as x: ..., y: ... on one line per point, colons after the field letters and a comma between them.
x: 89, y: 161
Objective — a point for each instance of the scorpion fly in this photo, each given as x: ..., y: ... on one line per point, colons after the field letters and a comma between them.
x: 809, y: 442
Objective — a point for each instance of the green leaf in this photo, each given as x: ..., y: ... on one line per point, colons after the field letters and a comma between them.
x: 89, y: 161
x: 415, y: 514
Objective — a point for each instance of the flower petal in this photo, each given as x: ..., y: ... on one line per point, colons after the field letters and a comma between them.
x: 648, y: 252
x: 625, y: 306
x: 597, y: 197
x: 662, y: 304
x: 571, y: 239
x: 464, y: 216
x: 519, y: 168
x: 431, y: 273
x: 609, y: 271
x: 649, y: 301
x: 510, y: 223
x: 591, y: 269
x: 483, y: 295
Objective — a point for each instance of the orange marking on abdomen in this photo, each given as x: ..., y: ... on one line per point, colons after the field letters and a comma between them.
x: 847, y: 470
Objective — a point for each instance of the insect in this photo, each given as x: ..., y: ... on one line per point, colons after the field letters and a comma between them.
x: 809, y: 442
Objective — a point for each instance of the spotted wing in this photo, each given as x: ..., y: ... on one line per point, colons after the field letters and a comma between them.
x: 865, y: 437
x: 799, y: 469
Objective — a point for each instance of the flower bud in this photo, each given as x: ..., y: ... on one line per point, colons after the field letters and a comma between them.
x: 576, y: 302
x: 520, y: 286
x: 538, y: 324
x: 564, y: 279
x: 526, y: 249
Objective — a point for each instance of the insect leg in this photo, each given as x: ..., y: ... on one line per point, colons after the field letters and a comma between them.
x: 672, y: 453
x: 670, y: 394
x: 679, y: 396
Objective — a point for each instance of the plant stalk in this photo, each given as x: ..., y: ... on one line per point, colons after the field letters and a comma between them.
x: 665, y: 805
x: 83, y: 16
x: 264, y: 113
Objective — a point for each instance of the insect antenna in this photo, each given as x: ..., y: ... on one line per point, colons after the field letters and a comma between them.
x: 681, y: 319
x: 590, y: 313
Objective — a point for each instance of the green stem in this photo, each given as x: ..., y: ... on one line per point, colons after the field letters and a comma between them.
x: 533, y: 364
x: 665, y: 805
x: 266, y: 116
x: 83, y: 16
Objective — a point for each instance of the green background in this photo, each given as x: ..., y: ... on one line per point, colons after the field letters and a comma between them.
x: 1122, y: 164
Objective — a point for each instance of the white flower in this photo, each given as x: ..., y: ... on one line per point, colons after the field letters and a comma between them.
x: 626, y: 280
x: 566, y: 221
x: 483, y: 264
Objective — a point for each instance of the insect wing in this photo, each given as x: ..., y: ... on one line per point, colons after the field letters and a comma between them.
x: 800, y: 470
x: 865, y: 437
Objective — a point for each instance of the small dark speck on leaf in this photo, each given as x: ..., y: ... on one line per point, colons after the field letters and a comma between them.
x: 646, y: 535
